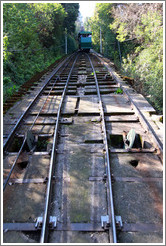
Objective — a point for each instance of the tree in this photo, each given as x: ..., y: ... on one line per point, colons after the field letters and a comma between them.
x: 72, y: 10
x: 144, y: 24
x: 34, y: 38
x: 102, y: 19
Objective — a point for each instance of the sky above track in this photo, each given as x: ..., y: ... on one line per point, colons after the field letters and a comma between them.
x: 87, y: 8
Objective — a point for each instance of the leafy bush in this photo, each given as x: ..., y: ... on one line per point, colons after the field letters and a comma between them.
x: 8, y: 91
x: 34, y: 39
x: 145, y: 65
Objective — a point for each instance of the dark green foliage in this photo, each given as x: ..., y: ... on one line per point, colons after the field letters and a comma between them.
x: 71, y: 17
x: 34, y: 39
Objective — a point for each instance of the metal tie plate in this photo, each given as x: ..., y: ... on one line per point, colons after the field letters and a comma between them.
x: 119, y: 223
x: 52, y: 222
x: 39, y: 222
x: 105, y: 221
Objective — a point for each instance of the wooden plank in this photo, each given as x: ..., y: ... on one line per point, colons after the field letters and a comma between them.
x: 122, y: 118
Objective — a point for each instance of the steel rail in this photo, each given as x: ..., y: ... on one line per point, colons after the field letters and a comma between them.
x: 31, y: 104
x: 25, y: 138
x: 138, y: 111
x: 44, y: 232
x: 107, y: 157
x: 48, y: 95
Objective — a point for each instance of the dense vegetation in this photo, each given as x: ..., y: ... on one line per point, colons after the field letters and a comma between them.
x: 34, y: 37
x: 132, y: 36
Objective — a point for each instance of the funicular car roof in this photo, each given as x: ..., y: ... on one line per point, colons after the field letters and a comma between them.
x: 84, y: 32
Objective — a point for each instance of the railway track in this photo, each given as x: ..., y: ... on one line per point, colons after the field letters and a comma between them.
x: 71, y: 171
